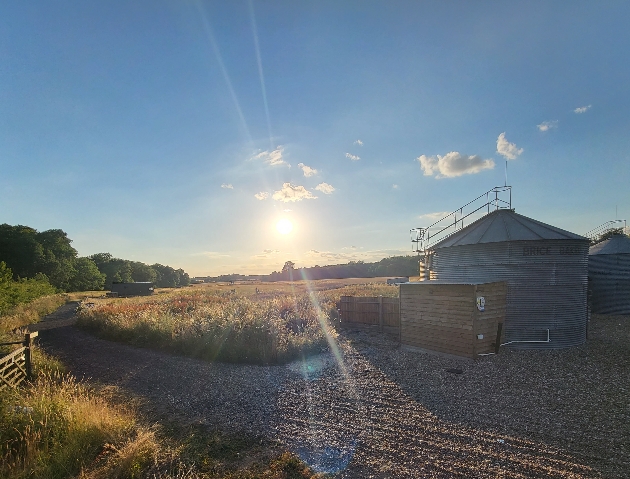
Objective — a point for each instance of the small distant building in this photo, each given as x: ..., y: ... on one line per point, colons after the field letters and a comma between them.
x: 144, y: 288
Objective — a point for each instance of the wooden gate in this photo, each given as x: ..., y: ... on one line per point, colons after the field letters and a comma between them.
x: 384, y: 312
x: 16, y: 366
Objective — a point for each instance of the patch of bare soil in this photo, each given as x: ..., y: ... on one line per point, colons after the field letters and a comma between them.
x: 370, y: 409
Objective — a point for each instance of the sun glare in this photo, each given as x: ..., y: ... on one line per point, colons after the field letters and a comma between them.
x: 284, y: 226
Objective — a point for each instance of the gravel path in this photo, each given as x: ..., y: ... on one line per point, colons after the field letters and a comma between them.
x: 374, y: 410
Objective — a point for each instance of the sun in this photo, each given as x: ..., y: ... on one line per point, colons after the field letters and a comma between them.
x: 284, y: 226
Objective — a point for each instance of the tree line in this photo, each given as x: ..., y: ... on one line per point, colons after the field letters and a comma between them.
x: 392, y: 266
x: 48, y: 256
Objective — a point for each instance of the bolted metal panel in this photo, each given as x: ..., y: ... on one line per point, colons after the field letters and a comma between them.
x: 547, y: 285
x: 609, y: 283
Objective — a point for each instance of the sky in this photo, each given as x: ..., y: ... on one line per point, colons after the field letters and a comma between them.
x: 181, y: 132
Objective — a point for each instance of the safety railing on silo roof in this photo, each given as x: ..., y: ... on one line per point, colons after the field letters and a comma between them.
x: 597, y: 234
x: 499, y: 197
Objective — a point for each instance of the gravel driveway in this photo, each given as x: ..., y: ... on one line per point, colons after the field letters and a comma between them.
x: 374, y: 410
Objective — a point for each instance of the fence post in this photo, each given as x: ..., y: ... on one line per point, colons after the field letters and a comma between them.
x: 380, y: 312
x: 28, y: 353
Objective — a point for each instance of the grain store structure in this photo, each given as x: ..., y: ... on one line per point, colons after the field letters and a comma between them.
x: 609, y: 275
x: 546, y: 270
x: 459, y: 319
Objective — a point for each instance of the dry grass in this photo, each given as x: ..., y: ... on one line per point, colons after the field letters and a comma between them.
x: 217, y: 325
x: 25, y: 314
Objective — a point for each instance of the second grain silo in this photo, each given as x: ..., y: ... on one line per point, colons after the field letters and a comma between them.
x: 546, y: 270
x: 609, y: 275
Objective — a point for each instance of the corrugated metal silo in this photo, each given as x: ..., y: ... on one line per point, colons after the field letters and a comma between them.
x: 546, y: 269
x: 609, y: 275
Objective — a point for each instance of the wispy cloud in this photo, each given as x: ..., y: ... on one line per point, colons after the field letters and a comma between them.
x: 352, y: 157
x: 506, y: 149
x: 307, y: 170
x: 290, y: 192
x: 263, y: 195
x: 395, y: 186
x: 325, y: 188
x: 358, y: 142
x: 268, y: 253
x: 548, y: 125
x: 438, y: 215
x: 211, y: 254
x: 227, y: 186
x: 582, y: 109
x: 272, y: 158
x: 453, y: 164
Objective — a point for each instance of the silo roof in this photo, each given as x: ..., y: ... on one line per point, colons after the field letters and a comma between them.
x: 505, y: 225
x: 617, y: 244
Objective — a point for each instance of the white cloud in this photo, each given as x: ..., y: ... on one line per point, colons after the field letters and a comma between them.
x: 307, y: 170
x: 395, y: 186
x: 352, y: 157
x: 582, y: 109
x: 358, y: 142
x: 263, y: 195
x: 267, y: 253
x: 548, y: 125
x: 286, y: 210
x: 292, y: 193
x: 507, y: 149
x: 453, y: 164
x: 227, y: 186
x: 272, y: 158
x: 325, y: 188
x: 438, y: 215
x: 212, y: 254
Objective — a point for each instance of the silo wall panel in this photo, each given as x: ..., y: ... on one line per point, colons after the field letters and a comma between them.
x: 547, y: 286
x: 609, y: 283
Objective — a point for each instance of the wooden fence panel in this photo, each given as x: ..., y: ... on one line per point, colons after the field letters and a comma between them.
x: 370, y: 310
x: 16, y: 366
x: 13, y: 368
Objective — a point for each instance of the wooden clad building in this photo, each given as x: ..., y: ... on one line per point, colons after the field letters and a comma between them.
x: 453, y: 318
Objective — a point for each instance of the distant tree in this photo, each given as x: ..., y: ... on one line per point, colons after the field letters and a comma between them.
x: 184, y: 278
x: 87, y: 277
x: 21, y: 251
x: 607, y: 234
x: 141, y: 272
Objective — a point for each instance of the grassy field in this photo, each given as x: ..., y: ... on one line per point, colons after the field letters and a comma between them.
x: 56, y: 427
x: 255, y: 323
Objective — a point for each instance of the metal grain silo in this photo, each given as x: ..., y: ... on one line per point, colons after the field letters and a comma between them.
x: 609, y: 275
x: 546, y: 269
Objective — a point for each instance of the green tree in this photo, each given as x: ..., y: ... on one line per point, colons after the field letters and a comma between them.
x: 21, y: 251
x: 87, y: 277
x: 141, y: 272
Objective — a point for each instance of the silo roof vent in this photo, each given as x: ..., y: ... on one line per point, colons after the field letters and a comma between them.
x: 505, y: 225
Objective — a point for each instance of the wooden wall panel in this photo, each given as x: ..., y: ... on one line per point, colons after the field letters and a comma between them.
x: 445, y: 318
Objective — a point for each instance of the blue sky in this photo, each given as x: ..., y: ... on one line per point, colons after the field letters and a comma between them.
x: 180, y: 132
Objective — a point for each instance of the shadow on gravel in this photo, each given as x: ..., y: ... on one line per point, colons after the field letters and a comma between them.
x: 553, y: 410
x: 383, y: 412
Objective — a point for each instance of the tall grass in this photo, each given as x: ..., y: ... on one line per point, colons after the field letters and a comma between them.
x: 216, y: 326
x: 25, y: 314
x: 56, y: 427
